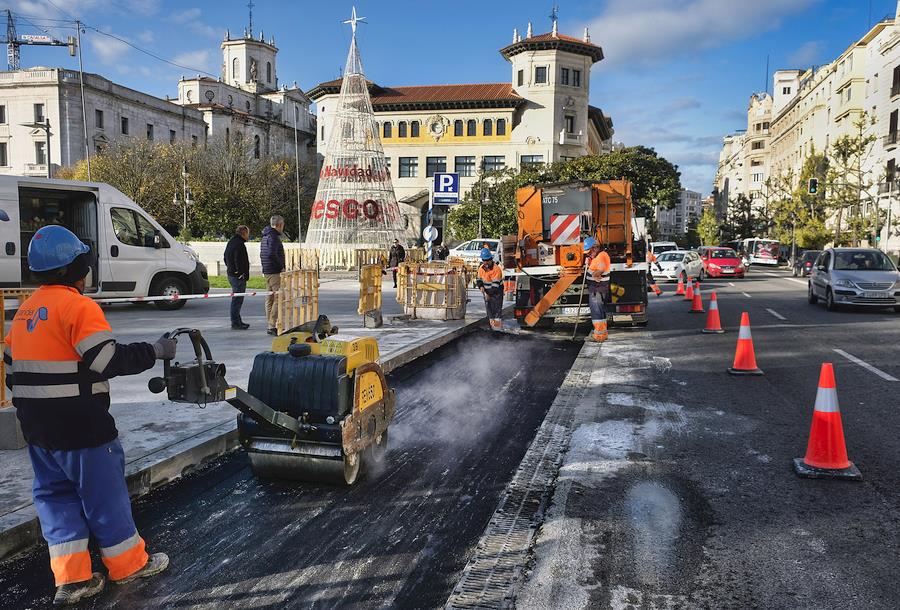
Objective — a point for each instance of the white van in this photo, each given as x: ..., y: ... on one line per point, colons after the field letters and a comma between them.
x: 132, y: 255
x: 658, y: 247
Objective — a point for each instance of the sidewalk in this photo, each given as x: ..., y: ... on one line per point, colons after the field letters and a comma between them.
x: 163, y: 440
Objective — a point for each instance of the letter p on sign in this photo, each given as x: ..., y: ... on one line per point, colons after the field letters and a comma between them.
x: 446, y: 188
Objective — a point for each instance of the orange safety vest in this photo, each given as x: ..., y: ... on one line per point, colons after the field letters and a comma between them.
x: 61, y: 352
x: 600, y: 265
x: 491, y: 280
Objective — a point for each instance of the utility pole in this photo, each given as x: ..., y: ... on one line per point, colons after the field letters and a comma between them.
x: 45, y: 127
x: 297, y: 176
x: 87, y: 149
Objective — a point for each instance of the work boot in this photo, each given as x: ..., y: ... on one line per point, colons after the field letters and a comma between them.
x: 155, y: 564
x: 272, y: 331
x: 240, y: 326
x: 67, y: 595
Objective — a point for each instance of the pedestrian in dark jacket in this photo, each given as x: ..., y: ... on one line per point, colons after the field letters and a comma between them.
x: 396, y: 256
x: 271, y: 254
x: 237, y: 264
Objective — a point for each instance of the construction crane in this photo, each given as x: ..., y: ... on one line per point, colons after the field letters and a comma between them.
x: 14, y: 41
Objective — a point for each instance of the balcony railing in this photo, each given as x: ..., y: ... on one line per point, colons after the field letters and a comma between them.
x: 888, y: 186
x: 890, y: 139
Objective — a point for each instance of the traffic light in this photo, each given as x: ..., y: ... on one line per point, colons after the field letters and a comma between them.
x: 813, y: 186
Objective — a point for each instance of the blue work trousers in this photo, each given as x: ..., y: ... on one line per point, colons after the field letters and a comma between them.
x: 597, y: 294
x: 237, y: 285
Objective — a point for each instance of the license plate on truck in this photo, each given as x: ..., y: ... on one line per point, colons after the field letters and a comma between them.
x: 574, y: 311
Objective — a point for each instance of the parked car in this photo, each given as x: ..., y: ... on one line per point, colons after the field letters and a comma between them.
x: 804, y: 263
x: 471, y: 250
x: 676, y: 264
x: 854, y: 276
x: 720, y: 262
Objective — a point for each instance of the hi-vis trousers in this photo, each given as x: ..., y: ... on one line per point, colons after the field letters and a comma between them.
x: 80, y: 494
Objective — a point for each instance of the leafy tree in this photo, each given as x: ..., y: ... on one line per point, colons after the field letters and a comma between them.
x: 742, y: 220
x: 691, y: 238
x: 495, y: 194
x: 849, y: 185
x: 708, y: 228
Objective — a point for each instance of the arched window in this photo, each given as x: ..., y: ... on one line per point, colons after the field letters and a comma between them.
x: 414, y: 129
x: 387, y: 130
x: 501, y: 127
x: 256, y: 147
x: 235, y: 68
x: 488, y: 127
x: 457, y: 128
x: 268, y: 71
x: 401, y: 129
x: 471, y: 127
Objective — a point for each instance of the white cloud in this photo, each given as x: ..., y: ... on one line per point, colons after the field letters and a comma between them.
x: 632, y: 31
x: 146, y: 36
x: 199, y: 60
x: 806, y: 55
x: 191, y: 19
x: 681, y: 104
x: 109, y: 50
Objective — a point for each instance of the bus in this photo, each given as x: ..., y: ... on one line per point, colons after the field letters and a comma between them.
x: 761, y: 251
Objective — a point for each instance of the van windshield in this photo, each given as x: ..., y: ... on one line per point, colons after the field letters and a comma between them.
x: 867, y: 260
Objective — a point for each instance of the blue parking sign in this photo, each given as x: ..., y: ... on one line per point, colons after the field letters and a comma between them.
x: 446, y: 188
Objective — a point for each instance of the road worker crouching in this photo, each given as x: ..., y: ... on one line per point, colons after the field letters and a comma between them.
x: 490, y: 282
x: 61, y: 353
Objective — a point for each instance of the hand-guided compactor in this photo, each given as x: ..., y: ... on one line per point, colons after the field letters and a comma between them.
x: 317, y: 406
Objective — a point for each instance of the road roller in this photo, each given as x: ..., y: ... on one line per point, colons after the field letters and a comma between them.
x: 317, y: 406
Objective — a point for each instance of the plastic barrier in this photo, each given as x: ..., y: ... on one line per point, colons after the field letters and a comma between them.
x: 298, y: 299
x: 369, y: 288
x: 433, y: 291
x: 7, y: 293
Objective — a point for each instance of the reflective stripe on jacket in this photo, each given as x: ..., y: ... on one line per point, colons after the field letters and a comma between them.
x: 491, y: 280
x: 61, y: 353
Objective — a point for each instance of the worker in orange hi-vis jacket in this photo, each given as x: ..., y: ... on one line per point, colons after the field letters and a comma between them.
x: 490, y: 282
x: 61, y: 353
x: 651, y: 261
x: 598, y: 278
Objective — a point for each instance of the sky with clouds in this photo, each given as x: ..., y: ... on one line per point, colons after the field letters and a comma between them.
x: 676, y: 77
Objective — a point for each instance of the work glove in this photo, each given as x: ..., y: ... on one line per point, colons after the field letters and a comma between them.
x: 164, y: 348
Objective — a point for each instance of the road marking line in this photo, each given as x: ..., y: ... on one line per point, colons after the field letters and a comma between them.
x: 731, y: 284
x: 776, y: 314
x: 746, y: 295
x: 866, y: 365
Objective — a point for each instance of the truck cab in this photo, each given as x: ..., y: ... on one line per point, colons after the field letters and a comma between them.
x: 131, y: 254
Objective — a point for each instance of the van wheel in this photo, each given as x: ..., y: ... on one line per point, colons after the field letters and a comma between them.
x: 811, y: 296
x: 167, y: 287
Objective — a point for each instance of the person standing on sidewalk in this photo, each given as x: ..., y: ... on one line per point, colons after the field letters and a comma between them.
x: 598, y: 270
x: 396, y: 256
x: 271, y: 253
x: 490, y: 282
x: 237, y: 264
x: 61, y: 353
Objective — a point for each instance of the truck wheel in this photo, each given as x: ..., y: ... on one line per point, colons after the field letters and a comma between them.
x: 167, y: 287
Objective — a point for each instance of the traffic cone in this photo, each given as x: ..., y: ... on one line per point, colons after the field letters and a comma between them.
x: 689, y: 291
x: 744, y: 356
x: 713, y: 324
x: 826, y: 452
x: 680, y: 290
x: 697, y: 302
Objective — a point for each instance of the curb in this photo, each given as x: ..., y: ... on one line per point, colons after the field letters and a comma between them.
x: 21, y: 529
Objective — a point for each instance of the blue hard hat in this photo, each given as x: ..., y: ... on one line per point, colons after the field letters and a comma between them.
x: 53, y: 247
x: 589, y: 243
x: 486, y: 255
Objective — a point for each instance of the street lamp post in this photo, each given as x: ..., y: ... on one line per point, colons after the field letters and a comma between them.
x: 297, y: 175
x: 186, y: 201
x: 45, y: 127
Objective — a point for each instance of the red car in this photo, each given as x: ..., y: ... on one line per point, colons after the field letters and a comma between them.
x: 721, y: 262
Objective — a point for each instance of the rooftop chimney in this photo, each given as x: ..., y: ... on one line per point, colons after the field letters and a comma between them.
x: 528, y: 31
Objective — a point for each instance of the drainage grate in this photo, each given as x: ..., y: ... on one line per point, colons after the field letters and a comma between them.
x: 491, y: 576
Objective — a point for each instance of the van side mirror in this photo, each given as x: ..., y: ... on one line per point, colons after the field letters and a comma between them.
x: 157, y: 240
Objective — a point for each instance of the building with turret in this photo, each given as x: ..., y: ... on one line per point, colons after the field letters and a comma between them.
x: 539, y: 115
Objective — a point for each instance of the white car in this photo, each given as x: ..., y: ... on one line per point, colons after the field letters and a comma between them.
x: 471, y: 250
x: 678, y: 264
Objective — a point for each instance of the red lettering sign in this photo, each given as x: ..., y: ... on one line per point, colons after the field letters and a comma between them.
x: 371, y: 209
x: 351, y: 209
x: 332, y: 208
x: 318, y: 209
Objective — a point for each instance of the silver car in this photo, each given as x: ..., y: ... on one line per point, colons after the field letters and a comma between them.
x: 854, y: 276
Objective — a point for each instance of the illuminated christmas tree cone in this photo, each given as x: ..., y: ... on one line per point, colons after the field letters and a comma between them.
x: 355, y: 205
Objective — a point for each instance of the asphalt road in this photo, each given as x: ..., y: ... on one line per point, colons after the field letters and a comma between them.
x: 466, y: 414
x: 704, y: 509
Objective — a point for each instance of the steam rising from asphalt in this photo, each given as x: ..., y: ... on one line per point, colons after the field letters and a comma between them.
x: 458, y: 397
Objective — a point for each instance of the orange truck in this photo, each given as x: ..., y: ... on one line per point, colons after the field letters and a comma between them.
x: 544, y: 263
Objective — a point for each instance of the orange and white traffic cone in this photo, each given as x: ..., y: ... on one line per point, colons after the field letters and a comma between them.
x: 826, y: 452
x: 744, y: 356
x: 689, y: 291
x: 697, y: 302
x: 713, y: 324
x: 680, y: 290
